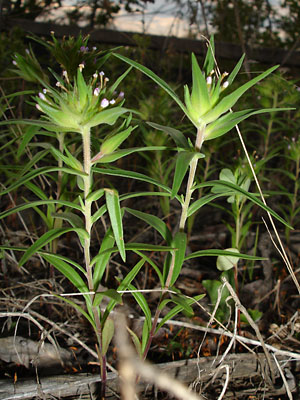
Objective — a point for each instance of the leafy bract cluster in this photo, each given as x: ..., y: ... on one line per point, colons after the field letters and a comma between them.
x: 80, y: 104
x: 208, y: 105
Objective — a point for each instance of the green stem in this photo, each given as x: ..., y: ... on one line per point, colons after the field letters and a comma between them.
x: 191, y: 178
x: 270, y: 125
x: 183, y: 218
x: 86, y: 137
x: 87, y: 181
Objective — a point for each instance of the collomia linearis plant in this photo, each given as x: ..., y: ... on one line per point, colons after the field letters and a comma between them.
x: 86, y: 123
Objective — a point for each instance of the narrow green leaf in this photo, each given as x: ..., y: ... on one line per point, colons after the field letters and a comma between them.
x: 225, y: 123
x: 37, y: 172
x: 115, y: 215
x: 153, y: 221
x: 124, y: 285
x: 47, y: 238
x: 112, y: 143
x: 136, y: 341
x: 116, y: 155
x: 75, y: 306
x: 73, y: 219
x: 102, y: 259
x: 63, y: 258
x: 175, y: 134
x: 196, y: 205
x: 183, y: 160
x: 179, y: 242
x: 132, y: 175
x: 60, y: 156
x: 209, y: 61
x: 67, y: 270
x: 250, y: 196
x: 30, y: 132
x: 140, y: 299
x: 94, y: 196
x: 107, y: 334
x: 183, y: 302
x: 176, y: 310
x: 235, y: 70
x: 153, y: 265
x: 36, y: 190
x: 108, y: 116
x: 199, y: 96
x: 37, y: 203
x: 117, y: 82
x: 154, y: 77
x: 217, y: 252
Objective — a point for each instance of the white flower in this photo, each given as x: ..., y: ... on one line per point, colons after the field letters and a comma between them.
x: 104, y: 103
x: 96, y: 91
x: 42, y: 96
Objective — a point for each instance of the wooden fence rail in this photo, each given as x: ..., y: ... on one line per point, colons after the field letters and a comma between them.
x: 288, y: 58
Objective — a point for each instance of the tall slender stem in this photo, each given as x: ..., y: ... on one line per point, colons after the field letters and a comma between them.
x: 183, y: 218
x: 191, y: 178
x: 87, y: 182
x: 86, y: 137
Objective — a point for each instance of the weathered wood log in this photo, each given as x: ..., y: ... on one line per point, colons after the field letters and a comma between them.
x: 248, y: 368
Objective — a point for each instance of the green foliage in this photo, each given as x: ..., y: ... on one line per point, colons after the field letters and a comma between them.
x: 84, y: 123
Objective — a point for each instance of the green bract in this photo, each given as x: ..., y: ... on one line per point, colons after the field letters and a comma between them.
x: 80, y: 104
x: 206, y: 105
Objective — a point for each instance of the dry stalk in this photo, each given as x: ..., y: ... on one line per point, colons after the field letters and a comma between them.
x: 286, y: 385
x: 252, y: 324
x: 143, y: 369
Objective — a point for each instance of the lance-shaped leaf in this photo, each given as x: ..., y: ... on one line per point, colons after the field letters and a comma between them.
x: 176, y: 310
x: 67, y: 270
x: 108, y: 116
x: 37, y: 203
x: 115, y: 215
x: 209, y: 61
x: 175, y: 134
x: 112, y: 143
x: 49, y: 237
x: 103, y: 258
x: 183, y: 160
x: 107, y: 334
x: 225, y: 123
x: 250, y: 196
x: 200, y: 99
x: 153, y: 221
x: 124, y: 285
x: 67, y: 159
x: 235, y: 70
x: 116, y: 155
x: 179, y: 242
x: 154, y: 77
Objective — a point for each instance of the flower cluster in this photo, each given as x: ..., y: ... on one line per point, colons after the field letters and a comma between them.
x: 80, y: 104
